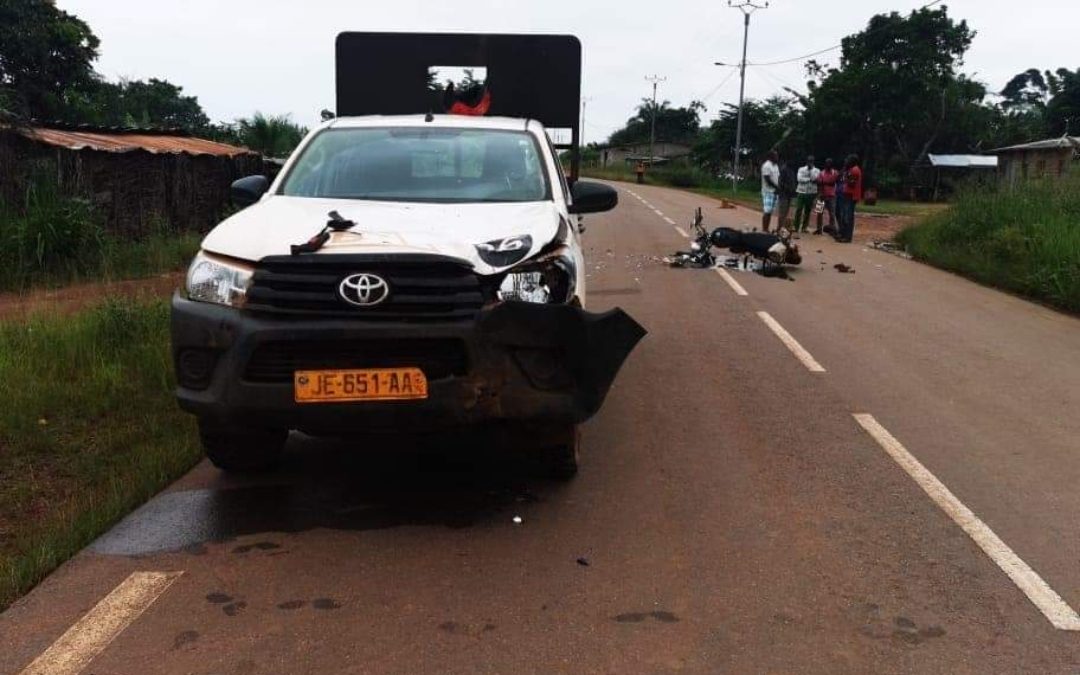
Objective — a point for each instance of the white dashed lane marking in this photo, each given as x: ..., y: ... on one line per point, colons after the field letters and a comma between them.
x: 682, y: 232
x: 1060, y: 614
x: 669, y: 221
x: 735, y: 285
x: 791, y: 343
x: 91, y: 634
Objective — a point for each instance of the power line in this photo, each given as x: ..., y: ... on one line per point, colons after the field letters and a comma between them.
x: 828, y: 49
x: 717, y: 88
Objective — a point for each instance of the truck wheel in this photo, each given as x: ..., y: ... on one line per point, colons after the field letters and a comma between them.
x: 241, y: 449
x: 561, y: 458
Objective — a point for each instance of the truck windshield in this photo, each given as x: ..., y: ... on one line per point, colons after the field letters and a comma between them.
x: 420, y: 165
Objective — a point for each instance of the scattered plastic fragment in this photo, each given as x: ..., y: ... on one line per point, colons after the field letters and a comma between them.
x: 843, y: 269
x: 584, y: 562
x: 517, y: 520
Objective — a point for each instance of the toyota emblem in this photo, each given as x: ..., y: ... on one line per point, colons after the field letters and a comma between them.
x: 364, y: 290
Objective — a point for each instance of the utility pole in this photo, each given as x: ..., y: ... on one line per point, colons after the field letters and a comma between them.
x: 747, y: 7
x: 656, y: 80
x: 584, y: 100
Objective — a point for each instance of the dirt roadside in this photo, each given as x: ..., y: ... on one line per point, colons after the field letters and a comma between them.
x: 69, y: 299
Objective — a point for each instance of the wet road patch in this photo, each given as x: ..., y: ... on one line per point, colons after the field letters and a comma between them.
x: 328, y: 490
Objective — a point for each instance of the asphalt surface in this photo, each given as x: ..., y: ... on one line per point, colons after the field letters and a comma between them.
x: 730, y: 514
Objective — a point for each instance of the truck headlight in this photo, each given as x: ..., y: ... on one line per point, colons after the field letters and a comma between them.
x: 213, y: 280
x: 551, y: 280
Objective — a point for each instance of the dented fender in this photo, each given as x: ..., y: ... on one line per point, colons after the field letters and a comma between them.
x: 591, y: 347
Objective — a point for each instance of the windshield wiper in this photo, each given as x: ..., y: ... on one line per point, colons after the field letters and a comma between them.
x: 337, y: 223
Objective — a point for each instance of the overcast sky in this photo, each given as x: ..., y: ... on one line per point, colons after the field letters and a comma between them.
x: 277, y: 56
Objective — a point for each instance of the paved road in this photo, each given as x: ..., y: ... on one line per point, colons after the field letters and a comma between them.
x: 734, y: 514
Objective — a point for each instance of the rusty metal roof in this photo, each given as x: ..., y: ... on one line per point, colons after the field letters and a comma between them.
x: 104, y: 141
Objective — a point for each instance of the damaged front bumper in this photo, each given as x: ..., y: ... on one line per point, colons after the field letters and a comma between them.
x: 514, y: 362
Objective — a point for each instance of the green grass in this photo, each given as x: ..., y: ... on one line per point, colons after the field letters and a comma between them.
x: 749, y: 192
x: 1025, y: 240
x: 89, y: 429
x: 53, y: 240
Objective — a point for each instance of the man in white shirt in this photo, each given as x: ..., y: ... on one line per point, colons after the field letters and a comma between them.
x: 807, y: 192
x: 770, y: 182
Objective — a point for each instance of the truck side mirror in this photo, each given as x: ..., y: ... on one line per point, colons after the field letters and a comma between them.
x: 248, y: 190
x: 591, y: 197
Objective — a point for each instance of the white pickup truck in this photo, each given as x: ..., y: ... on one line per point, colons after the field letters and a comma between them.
x: 402, y: 273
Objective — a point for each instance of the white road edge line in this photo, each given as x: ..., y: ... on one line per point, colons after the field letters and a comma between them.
x: 791, y: 343
x: 735, y: 285
x: 91, y: 634
x: 668, y: 220
x: 682, y: 232
x: 1056, y: 610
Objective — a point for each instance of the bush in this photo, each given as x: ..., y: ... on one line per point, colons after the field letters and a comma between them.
x: 53, y: 239
x: 1026, y: 240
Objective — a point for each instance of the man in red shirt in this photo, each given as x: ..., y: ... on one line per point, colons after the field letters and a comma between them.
x: 853, y: 189
x: 827, y: 186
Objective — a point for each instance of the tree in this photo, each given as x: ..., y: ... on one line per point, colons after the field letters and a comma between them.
x: 1063, y: 109
x: 45, y: 58
x: 777, y: 122
x: 269, y: 135
x: 159, y: 103
x: 896, y: 94
x: 1026, y: 91
x: 673, y: 125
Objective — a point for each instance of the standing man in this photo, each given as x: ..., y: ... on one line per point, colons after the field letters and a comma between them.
x: 853, y: 189
x: 806, y: 193
x: 785, y: 193
x: 827, y: 182
x: 770, y: 183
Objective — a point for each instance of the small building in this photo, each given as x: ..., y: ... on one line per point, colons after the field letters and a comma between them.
x: 622, y: 155
x: 137, y: 179
x: 947, y: 170
x: 1051, y: 158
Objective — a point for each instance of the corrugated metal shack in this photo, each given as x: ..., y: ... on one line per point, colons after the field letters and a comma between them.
x: 1051, y: 158
x: 137, y: 179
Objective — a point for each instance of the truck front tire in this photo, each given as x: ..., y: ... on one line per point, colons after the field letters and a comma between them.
x: 241, y: 449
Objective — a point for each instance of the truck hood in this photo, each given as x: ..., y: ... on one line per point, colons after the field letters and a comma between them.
x: 277, y: 222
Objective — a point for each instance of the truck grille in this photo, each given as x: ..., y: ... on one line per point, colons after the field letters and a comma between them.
x: 275, y: 362
x: 421, y: 287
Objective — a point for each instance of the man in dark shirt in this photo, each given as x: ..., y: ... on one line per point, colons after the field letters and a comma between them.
x: 785, y: 192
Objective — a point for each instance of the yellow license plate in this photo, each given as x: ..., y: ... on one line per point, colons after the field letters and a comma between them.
x: 369, y: 384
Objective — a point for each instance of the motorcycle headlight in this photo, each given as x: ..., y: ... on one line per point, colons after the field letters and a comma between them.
x: 695, y: 247
x: 212, y: 280
x: 552, y: 280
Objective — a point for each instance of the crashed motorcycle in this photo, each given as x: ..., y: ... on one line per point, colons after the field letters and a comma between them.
x: 772, y: 250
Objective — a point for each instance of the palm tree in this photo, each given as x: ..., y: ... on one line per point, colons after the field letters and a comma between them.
x: 270, y: 135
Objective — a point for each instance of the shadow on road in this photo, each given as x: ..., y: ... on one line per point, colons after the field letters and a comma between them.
x: 368, y: 484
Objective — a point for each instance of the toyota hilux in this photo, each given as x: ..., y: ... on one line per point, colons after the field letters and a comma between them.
x: 402, y: 273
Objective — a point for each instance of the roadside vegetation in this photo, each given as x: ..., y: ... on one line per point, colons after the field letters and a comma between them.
x: 88, y: 431
x: 1025, y: 240
x: 52, y: 240
x: 749, y: 191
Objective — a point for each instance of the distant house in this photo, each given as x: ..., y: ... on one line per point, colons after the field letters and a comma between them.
x: 136, y: 178
x: 1051, y: 158
x: 621, y: 155
x: 940, y: 173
